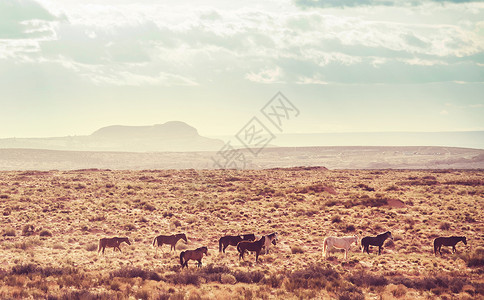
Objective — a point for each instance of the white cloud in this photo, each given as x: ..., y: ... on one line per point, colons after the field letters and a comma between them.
x: 272, y: 75
x: 200, y: 44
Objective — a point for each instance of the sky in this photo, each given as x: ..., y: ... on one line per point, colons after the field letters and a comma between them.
x: 70, y: 67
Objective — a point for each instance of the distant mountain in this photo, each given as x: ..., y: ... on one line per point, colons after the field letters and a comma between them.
x: 170, y: 136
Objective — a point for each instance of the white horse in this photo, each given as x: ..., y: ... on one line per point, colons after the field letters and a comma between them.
x: 270, y: 239
x: 340, y: 243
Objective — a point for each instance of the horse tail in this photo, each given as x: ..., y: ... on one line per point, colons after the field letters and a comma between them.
x: 325, y: 244
x: 182, y: 254
x: 238, y: 247
x: 220, y: 245
x: 154, y: 241
x: 99, y: 247
x: 435, y: 247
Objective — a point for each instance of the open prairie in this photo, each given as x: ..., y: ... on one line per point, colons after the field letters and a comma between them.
x: 52, y: 222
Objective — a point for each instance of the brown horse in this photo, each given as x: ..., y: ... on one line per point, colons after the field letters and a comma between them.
x: 233, y: 240
x: 112, y: 242
x: 378, y: 240
x: 196, y: 254
x: 447, y: 241
x: 253, y: 246
x: 169, y: 239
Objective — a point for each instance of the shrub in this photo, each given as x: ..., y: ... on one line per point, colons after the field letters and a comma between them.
x: 336, y: 219
x: 132, y: 272
x: 227, y: 279
x: 274, y: 280
x: 45, y: 232
x: 349, y: 228
x: 311, y: 277
x: 474, y: 259
x: 28, y: 229
x: 297, y: 249
x: 24, y: 269
x: 350, y: 293
x: 444, y: 226
x: 130, y: 227
x: 91, y: 247
x: 249, y: 277
x: 9, y: 231
x: 363, y: 278
x: 185, y: 278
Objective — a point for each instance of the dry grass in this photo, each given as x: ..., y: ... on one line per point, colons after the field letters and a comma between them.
x: 53, y: 221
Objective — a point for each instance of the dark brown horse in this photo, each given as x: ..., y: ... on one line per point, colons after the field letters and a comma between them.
x: 447, y: 241
x: 233, y: 240
x: 196, y: 254
x: 378, y: 240
x: 169, y: 239
x: 253, y: 246
x: 112, y: 242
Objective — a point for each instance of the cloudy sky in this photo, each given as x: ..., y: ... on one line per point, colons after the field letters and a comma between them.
x: 69, y: 67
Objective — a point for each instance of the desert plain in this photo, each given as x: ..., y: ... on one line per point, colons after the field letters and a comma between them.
x: 52, y: 222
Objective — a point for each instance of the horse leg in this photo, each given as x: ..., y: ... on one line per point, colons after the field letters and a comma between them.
x: 453, y: 249
x: 379, y: 250
x: 346, y: 254
x: 257, y: 256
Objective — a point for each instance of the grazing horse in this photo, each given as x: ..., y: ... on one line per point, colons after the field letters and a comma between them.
x: 340, y: 243
x: 253, y: 246
x: 196, y: 254
x: 169, y: 239
x: 270, y: 239
x: 447, y: 241
x: 112, y: 242
x: 375, y: 241
x: 233, y: 240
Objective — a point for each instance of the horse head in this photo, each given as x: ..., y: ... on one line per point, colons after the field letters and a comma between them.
x: 464, y: 240
x: 126, y: 240
x: 184, y: 237
x: 389, y: 235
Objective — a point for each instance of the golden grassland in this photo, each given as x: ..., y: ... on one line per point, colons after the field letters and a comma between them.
x: 52, y: 221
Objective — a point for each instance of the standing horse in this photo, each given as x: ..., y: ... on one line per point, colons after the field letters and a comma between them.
x: 253, y: 246
x: 169, y: 239
x: 447, y: 241
x: 375, y: 241
x: 112, y: 242
x: 233, y: 240
x: 340, y: 243
x: 270, y: 239
x: 196, y: 254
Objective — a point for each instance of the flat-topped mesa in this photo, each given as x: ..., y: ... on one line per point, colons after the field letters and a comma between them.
x: 171, y: 130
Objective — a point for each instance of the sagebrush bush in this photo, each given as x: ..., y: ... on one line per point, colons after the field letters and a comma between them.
x: 363, y: 278
x: 9, y: 231
x: 132, y: 272
x: 297, y: 249
x: 45, y: 233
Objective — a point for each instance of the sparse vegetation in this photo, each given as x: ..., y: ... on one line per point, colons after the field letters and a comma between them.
x: 54, y: 220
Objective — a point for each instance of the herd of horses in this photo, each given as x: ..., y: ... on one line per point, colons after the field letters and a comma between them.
x: 249, y: 243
